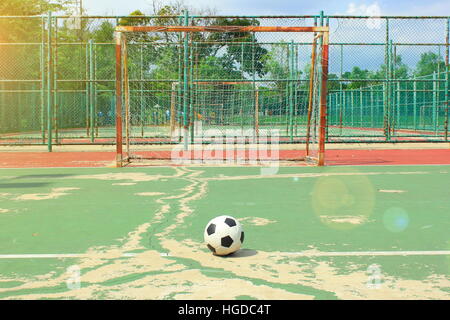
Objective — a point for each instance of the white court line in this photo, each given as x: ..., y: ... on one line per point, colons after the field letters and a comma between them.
x: 301, y: 254
x: 369, y: 253
x: 41, y: 256
x: 60, y: 256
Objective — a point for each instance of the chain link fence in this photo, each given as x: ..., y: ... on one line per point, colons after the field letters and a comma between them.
x: 388, y: 79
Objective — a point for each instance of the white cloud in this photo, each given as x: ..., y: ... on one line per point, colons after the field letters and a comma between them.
x: 373, y: 9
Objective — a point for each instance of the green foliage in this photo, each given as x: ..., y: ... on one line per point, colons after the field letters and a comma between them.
x: 104, y: 33
x: 136, y: 18
x: 31, y: 7
x: 23, y: 60
x: 159, y: 55
x: 242, y: 47
x: 357, y: 74
x: 28, y: 30
x: 429, y: 62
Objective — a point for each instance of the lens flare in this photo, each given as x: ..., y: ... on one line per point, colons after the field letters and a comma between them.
x: 396, y: 219
x: 343, y: 199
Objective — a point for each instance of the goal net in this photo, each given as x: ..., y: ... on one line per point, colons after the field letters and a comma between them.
x: 217, y: 85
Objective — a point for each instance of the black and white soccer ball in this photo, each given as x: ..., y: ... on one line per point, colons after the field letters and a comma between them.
x: 224, y: 235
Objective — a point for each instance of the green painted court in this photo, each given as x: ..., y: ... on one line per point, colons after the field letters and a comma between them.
x: 366, y: 232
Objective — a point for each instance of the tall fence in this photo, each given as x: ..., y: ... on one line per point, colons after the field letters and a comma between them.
x: 388, y: 81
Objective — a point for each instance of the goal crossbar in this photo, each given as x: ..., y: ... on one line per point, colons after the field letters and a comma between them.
x: 218, y: 29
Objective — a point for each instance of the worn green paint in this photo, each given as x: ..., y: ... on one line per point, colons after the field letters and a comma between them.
x: 100, y: 213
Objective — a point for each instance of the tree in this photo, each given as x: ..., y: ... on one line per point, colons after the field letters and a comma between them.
x: 242, y: 47
x: 31, y: 7
x: 429, y: 62
x: 357, y: 74
x: 22, y: 61
x: 26, y: 29
x: 276, y: 64
x: 399, y: 70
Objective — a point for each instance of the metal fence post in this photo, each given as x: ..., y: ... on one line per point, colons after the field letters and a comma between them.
x: 43, y: 84
x: 118, y: 100
x: 141, y: 88
x: 49, y: 83
x: 291, y: 89
x: 55, y: 83
x: 387, y: 129
x: 185, y: 82
x: 361, y: 106
x: 371, y: 107
x: 91, y: 91
x: 447, y: 70
x: 414, y: 103
x: 434, y: 104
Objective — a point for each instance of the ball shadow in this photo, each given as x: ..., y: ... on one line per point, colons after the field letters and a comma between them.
x: 242, y: 253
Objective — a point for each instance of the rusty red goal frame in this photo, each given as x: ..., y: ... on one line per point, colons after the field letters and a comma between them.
x: 319, y: 31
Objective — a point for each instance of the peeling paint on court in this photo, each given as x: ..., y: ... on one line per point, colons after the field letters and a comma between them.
x: 54, y: 194
x: 392, y: 191
x: 344, y: 219
x: 149, y: 194
x: 256, y: 221
x: 132, y: 176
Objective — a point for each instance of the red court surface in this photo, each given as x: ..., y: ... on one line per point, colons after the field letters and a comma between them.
x: 15, y: 159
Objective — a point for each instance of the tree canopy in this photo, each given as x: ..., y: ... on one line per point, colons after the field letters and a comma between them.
x: 226, y: 55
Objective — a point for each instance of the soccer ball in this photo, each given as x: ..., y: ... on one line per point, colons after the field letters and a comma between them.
x: 224, y: 235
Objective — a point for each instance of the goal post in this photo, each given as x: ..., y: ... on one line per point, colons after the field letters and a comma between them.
x: 180, y: 91
x: 317, y: 94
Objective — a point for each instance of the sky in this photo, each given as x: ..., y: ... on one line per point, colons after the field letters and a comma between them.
x: 401, y: 31
x: 282, y: 7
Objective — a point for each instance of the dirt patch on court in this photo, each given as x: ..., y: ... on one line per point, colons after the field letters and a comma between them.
x: 344, y: 219
x: 53, y: 194
x: 149, y: 194
x: 194, y: 191
x: 192, y: 272
x: 310, y: 175
x: 193, y: 284
x: 124, y: 184
x: 392, y: 191
x: 101, y: 271
x: 282, y: 268
x: 184, y: 284
x: 133, y: 176
x: 106, y: 274
x: 4, y: 210
x: 256, y: 221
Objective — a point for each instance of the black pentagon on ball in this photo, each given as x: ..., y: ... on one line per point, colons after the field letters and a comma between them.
x: 211, y: 229
x: 230, y: 222
x: 210, y: 247
x: 226, y: 241
x: 242, y: 237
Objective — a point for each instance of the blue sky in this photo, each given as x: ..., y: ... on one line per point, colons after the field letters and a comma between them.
x: 280, y: 7
x: 410, y: 31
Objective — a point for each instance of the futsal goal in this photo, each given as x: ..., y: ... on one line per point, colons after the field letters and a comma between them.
x: 220, y: 85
